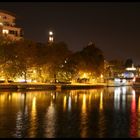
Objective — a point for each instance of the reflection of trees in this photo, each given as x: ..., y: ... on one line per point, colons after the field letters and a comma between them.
x: 89, y: 60
x: 83, y: 124
x: 33, y: 120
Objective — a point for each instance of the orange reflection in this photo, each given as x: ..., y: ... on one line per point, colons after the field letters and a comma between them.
x: 83, y: 118
x: 84, y: 104
x: 32, y: 131
x: 64, y: 103
x: 101, y: 101
x: 75, y: 98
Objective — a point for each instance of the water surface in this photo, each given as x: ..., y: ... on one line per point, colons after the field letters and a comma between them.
x: 105, y: 112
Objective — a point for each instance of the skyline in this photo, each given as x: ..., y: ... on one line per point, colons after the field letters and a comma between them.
x: 114, y: 27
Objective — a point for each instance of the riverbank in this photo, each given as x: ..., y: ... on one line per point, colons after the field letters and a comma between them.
x: 44, y: 86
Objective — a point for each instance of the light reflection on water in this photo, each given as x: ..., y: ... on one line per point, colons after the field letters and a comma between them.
x: 50, y: 121
x: 83, y: 125
x: 108, y: 112
x: 33, y: 119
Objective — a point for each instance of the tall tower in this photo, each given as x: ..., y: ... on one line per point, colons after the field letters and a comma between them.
x: 51, y: 38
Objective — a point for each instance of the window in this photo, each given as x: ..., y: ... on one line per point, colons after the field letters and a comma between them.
x: 4, y: 31
x: 1, y: 23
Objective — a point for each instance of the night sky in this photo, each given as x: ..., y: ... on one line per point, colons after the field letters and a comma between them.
x: 114, y: 27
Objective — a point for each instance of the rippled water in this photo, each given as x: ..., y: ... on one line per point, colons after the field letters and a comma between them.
x: 107, y: 112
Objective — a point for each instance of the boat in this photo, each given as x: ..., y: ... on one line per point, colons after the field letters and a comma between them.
x: 116, y: 82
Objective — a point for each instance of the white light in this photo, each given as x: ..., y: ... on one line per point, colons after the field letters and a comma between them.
x: 131, y: 68
x: 50, y: 33
x: 117, y: 80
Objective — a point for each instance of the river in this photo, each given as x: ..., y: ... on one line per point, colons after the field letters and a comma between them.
x: 94, y: 113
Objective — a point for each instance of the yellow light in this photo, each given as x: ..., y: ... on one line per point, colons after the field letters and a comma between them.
x: 64, y: 103
x: 32, y: 133
x: 101, y: 76
x: 84, y: 104
x: 84, y: 75
x: 53, y: 96
x: 101, y: 101
x: 4, y: 31
x: 1, y: 23
x: 34, y: 103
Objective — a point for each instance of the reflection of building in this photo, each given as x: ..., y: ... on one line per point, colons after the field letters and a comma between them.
x: 7, y: 26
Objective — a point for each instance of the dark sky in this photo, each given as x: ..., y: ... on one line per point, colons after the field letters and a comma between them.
x: 114, y: 27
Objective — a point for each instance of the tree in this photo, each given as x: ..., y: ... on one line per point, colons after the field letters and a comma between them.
x: 89, y: 60
x: 128, y: 63
x: 8, y: 69
x: 55, y: 57
x: 25, y: 52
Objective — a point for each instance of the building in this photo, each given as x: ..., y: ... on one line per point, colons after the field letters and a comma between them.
x: 8, y: 26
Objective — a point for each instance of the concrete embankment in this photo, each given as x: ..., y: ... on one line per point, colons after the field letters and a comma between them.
x: 44, y: 86
x: 87, y: 86
x: 17, y: 86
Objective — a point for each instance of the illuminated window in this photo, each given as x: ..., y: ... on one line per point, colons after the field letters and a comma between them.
x: 5, y: 31
x: 51, y: 39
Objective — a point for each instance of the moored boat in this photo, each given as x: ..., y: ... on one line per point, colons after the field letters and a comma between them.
x: 116, y: 82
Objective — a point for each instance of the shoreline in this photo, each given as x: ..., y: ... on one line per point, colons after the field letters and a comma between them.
x: 44, y: 86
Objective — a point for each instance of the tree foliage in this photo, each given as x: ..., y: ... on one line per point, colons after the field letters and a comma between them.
x: 90, y: 59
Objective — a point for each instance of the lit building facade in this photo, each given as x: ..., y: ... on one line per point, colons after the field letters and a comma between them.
x: 8, y: 26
